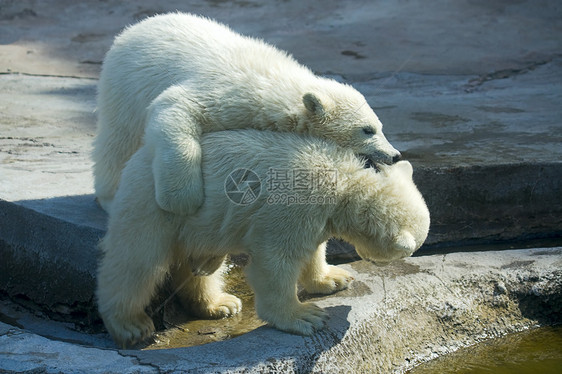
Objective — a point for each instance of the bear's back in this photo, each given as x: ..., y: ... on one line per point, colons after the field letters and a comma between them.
x: 179, y: 46
x: 241, y: 206
x: 200, y: 54
x: 261, y: 150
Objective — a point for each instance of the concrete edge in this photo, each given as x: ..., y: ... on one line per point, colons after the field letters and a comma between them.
x: 49, y: 261
x: 390, y: 320
x: 492, y: 203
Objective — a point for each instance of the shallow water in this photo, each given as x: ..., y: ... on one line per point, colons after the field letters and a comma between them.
x: 537, y: 351
x: 183, y: 330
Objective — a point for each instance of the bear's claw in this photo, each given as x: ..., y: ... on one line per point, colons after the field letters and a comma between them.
x: 134, y: 331
x: 225, y: 305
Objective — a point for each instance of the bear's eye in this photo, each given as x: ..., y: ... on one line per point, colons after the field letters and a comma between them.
x: 368, y: 131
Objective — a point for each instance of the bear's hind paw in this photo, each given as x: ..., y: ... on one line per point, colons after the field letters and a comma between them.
x: 133, y: 331
x: 225, y: 305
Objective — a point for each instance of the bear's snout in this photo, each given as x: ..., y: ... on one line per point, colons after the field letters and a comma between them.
x: 382, y: 158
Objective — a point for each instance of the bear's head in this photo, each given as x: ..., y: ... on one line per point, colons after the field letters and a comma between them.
x: 340, y: 113
x: 385, y: 216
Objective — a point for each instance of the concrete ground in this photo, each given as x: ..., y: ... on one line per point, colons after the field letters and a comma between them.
x: 469, y: 91
x: 391, y: 319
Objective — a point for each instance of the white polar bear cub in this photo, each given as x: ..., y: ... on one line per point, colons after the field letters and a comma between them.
x: 381, y: 213
x: 183, y: 75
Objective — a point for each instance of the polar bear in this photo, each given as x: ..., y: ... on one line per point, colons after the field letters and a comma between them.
x: 381, y: 212
x: 185, y: 75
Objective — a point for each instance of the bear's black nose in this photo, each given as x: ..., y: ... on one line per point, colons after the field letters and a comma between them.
x: 397, y: 158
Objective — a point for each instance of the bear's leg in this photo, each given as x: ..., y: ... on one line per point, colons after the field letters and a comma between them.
x: 127, y: 278
x: 204, y: 295
x: 274, y: 281
x: 173, y: 130
x: 318, y: 277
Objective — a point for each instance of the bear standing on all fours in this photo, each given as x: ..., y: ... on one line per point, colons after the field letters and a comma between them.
x: 179, y: 76
x: 381, y: 213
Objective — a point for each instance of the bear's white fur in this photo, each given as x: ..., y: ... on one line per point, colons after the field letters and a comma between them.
x: 182, y: 75
x: 381, y: 213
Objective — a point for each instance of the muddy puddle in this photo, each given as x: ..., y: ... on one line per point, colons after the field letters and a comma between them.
x: 175, y: 327
x: 183, y: 330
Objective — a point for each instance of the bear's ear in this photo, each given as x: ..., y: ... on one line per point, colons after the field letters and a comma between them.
x: 405, y: 241
x: 314, y: 104
x: 405, y: 168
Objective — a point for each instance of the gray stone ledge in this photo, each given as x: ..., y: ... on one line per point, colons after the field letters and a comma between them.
x: 391, y: 319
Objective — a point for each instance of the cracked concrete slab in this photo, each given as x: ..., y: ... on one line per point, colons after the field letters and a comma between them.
x: 389, y: 320
x: 23, y: 351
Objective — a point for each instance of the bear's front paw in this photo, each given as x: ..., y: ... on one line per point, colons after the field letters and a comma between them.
x: 183, y: 202
x: 225, y: 305
x: 128, y: 332
x: 336, y: 279
x: 304, y: 319
x: 178, y: 177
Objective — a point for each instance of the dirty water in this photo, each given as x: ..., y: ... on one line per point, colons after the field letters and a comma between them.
x: 175, y: 327
x: 392, y: 269
x: 183, y: 330
x: 529, y: 352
